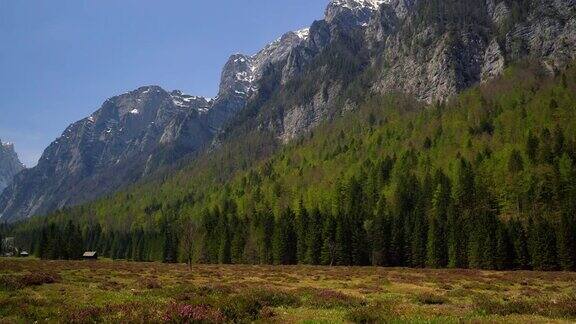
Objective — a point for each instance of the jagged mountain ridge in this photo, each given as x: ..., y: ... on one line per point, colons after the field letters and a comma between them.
x: 135, y: 134
x: 10, y: 164
x: 430, y: 49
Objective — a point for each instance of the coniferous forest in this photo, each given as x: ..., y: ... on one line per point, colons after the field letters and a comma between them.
x: 486, y: 180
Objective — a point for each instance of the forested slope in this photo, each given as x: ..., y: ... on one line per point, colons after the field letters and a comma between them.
x: 486, y: 180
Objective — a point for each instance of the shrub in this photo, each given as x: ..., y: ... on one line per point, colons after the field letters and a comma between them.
x: 327, y: 298
x: 85, y: 315
x: 371, y: 314
x: 491, y: 306
x: 11, y: 282
x: 240, y: 308
x: 39, y: 278
x: 431, y: 299
x: 255, y: 304
x: 179, y: 313
x: 564, y: 307
x: 150, y: 283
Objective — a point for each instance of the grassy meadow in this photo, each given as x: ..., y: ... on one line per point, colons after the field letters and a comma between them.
x: 105, y: 291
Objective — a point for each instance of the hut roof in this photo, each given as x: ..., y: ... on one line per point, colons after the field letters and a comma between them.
x: 89, y: 254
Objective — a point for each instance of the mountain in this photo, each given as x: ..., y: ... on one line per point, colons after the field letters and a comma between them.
x: 134, y: 135
x: 429, y: 50
x: 486, y: 180
x: 112, y: 147
x: 10, y: 165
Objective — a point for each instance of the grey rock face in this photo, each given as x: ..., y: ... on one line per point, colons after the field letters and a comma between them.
x: 115, y: 146
x: 9, y: 164
x: 494, y: 61
x: 436, y: 59
x: 430, y: 55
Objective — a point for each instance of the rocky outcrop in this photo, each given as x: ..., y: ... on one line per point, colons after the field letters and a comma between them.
x: 10, y: 165
x: 434, y: 51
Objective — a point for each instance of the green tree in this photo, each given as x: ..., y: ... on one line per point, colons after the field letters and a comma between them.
x: 302, y: 228
x: 532, y: 147
x: 314, y: 238
x: 284, y: 241
x: 542, y: 245
x: 515, y: 163
x: 381, y: 233
x: 567, y: 242
x: 520, y: 245
x: 437, y: 247
x: 224, y: 249
x: 465, y: 203
x: 328, y: 253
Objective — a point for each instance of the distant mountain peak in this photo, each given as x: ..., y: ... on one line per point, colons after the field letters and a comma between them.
x: 10, y: 165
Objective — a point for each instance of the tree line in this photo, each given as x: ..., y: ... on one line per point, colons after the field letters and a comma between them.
x: 432, y: 221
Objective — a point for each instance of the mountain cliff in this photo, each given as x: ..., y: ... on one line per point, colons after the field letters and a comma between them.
x: 429, y: 50
x: 10, y: 165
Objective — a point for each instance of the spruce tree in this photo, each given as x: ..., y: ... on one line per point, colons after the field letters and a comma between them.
x: 532, y: 147
x: 170, y: 251
x: 381, y: 235
x: 567, y: 242
x: 520, y: 245
x: 238, y: 236
x: 224, y: 249
x: 266, y: 230
x: 459, y: 220
x: 43, y: 244
x: 284, y: 240
x: 302, y: 228
x: 437, y: 247
x: 55, y: 244
x: 515, y: 163
x: 328, y: 253
x: 542, y: 244
x: 504, y: 250
x: 314, y: 238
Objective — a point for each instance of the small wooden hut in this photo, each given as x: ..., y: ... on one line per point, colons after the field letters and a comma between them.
x: 90, y: 255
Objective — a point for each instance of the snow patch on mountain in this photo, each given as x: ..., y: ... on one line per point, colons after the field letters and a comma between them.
x: 303, y: 33
x: 356, y: 4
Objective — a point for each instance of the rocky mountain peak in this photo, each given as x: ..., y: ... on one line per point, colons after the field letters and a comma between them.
x: 237, y: 76
x: 351, y: 13
x: 10, y: 165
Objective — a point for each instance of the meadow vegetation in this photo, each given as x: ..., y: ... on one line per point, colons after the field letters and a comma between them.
x: 116, y: 291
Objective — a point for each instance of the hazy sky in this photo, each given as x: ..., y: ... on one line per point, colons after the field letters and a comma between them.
x: 60, y: 59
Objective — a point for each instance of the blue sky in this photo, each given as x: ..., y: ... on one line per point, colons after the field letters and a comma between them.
x: 60, y: 59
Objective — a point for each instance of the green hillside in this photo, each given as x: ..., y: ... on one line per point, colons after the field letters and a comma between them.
x: 486, y: 180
